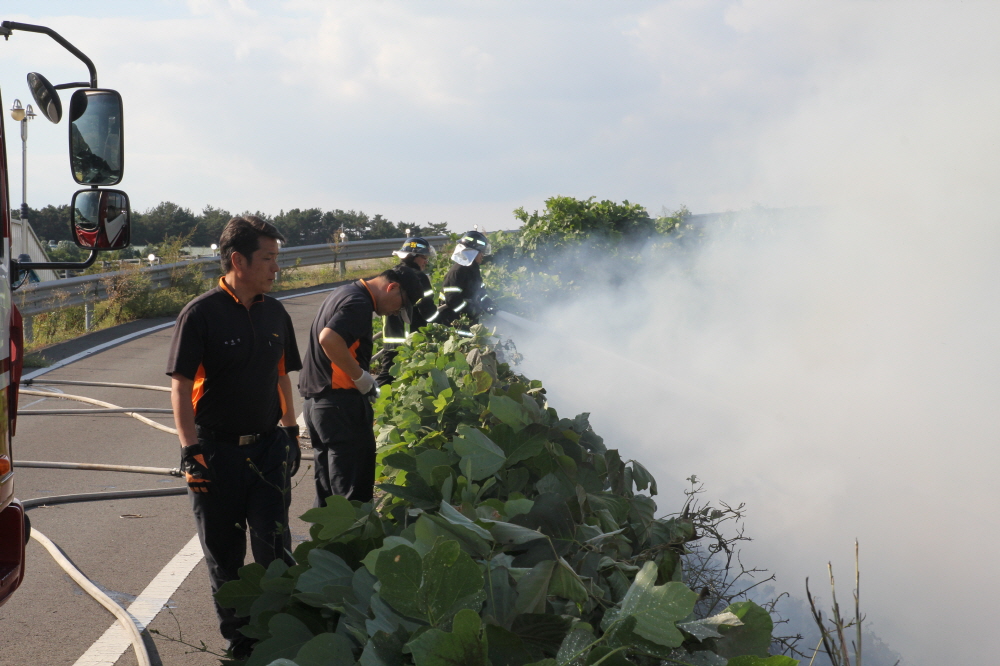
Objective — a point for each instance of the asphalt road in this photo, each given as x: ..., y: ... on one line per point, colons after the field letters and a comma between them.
x: 121, y: 545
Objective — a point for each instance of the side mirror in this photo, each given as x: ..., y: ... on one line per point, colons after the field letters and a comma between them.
x: 96, y: 141
x: 45, y: 96
x: 101, y: 219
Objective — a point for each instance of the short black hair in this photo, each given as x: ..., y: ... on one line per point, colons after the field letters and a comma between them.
x: 407, y: 279
x: 242, y: 234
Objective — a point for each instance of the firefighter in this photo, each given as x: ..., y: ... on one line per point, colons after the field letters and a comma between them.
x: 337, y: 387
x: 463, y: 291
x: 232, y: 350
x: 414, y: 254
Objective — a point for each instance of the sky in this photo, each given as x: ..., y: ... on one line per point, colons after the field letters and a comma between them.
x: 438, y: 111
x: 836, y: 371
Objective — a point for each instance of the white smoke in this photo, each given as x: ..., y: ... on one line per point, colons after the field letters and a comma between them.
x: 839, y: 369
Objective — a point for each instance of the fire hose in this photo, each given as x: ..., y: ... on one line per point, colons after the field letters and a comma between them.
x: 127, y: 621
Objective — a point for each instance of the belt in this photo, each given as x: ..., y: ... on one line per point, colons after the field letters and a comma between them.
x: 232, y: 438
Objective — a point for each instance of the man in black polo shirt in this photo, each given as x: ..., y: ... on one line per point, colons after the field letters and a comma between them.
x: 232, y: 350
x: 337, y: 386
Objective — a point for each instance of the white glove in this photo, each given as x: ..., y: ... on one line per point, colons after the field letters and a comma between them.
x: 365, y: 383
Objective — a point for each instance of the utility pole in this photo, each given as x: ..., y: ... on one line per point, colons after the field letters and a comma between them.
x: 23, y: 115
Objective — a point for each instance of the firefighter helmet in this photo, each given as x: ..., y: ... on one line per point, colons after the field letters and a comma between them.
x: 476, y: 240
x: 415, y: 246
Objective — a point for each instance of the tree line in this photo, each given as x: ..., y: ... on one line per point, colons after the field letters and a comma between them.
x: 300, y: 226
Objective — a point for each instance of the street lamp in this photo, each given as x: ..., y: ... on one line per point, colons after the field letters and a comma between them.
x: 23, y: 115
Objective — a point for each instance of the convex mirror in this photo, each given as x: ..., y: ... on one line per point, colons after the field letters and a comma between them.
x: 101, y: 219
x: 96, y: 141
x: 46, y: 97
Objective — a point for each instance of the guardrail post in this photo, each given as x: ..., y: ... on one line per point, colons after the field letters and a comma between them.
x: 27, y: 328
x: 88, y: 316
x: 341, y: 268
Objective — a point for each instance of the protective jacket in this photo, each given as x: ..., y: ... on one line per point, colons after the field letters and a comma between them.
x: 463, y: 293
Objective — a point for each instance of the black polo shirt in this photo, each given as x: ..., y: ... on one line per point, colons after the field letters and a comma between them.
x: 234, y: 356
x: 348, y: 312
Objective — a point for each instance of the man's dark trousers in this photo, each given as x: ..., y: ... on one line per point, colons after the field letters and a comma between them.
x: 341, y: 431
x: 249, y: 488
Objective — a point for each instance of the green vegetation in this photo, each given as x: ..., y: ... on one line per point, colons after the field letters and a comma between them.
x: 502, y: 534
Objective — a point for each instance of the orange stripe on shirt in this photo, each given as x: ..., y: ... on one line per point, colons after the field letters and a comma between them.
x: 199, y: 387
x: 339, y: 378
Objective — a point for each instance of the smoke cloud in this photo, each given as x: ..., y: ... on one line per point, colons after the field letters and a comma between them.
x: 836, y: 368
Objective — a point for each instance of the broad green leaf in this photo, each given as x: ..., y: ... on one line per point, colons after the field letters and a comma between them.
x: 390, y: 542
x: 240, y: 594
x: 574, y: 648
x: 541, y: 634
x: 399, y: 571
x: 549, y: 515
x: 657, y: 607
x: 509, y: 534
x: 566, y: 583
x: 440, y: 380
x: 709, y: 627
x: 451, y: 582
x: 641, y: 512
x: 326, y: 650
x: 401, y: 460
x: 453, y: 515
x: 501, y: 595
x: 505, y: 648
x: 482, y: 380
x: 385, y: 649
x: 429, y: 529
x: 463, y: 646
x: 705, y: 658
x: 480, y: 456
x: 441, y: 402
x: 526, y: 449
x: 288, y: 635
x: 642, y: 478
x: 516, y: 507
x: 427, y: 460
x: 509, y: 411
x: 533, y: 588
x: 753, y: 637
x: 325, y: 569
x: 416, y: 491
x: 336, y: 517
x: 750, y: 660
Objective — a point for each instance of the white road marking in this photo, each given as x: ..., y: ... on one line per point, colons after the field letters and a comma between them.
x: 93, y: 350
x: 109, y: 647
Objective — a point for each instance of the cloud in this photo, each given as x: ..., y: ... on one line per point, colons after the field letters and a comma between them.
x: 431, y: 105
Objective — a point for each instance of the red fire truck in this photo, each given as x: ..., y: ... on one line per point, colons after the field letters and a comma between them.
x: 100, y: 220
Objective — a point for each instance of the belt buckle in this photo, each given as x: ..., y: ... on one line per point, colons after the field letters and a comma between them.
x: 246, y: 440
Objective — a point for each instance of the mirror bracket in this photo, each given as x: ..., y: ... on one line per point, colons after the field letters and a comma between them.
x: 16, y: 267
x: 77, y: 84
x: 7, y: 26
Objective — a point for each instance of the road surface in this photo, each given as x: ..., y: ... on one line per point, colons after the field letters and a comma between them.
x: 121, y: 545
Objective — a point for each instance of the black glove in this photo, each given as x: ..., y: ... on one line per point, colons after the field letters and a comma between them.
x: 293, y: 434
x: 195, y: 468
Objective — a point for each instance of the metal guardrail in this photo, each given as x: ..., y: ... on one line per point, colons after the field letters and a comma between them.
x: 44, y: 297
